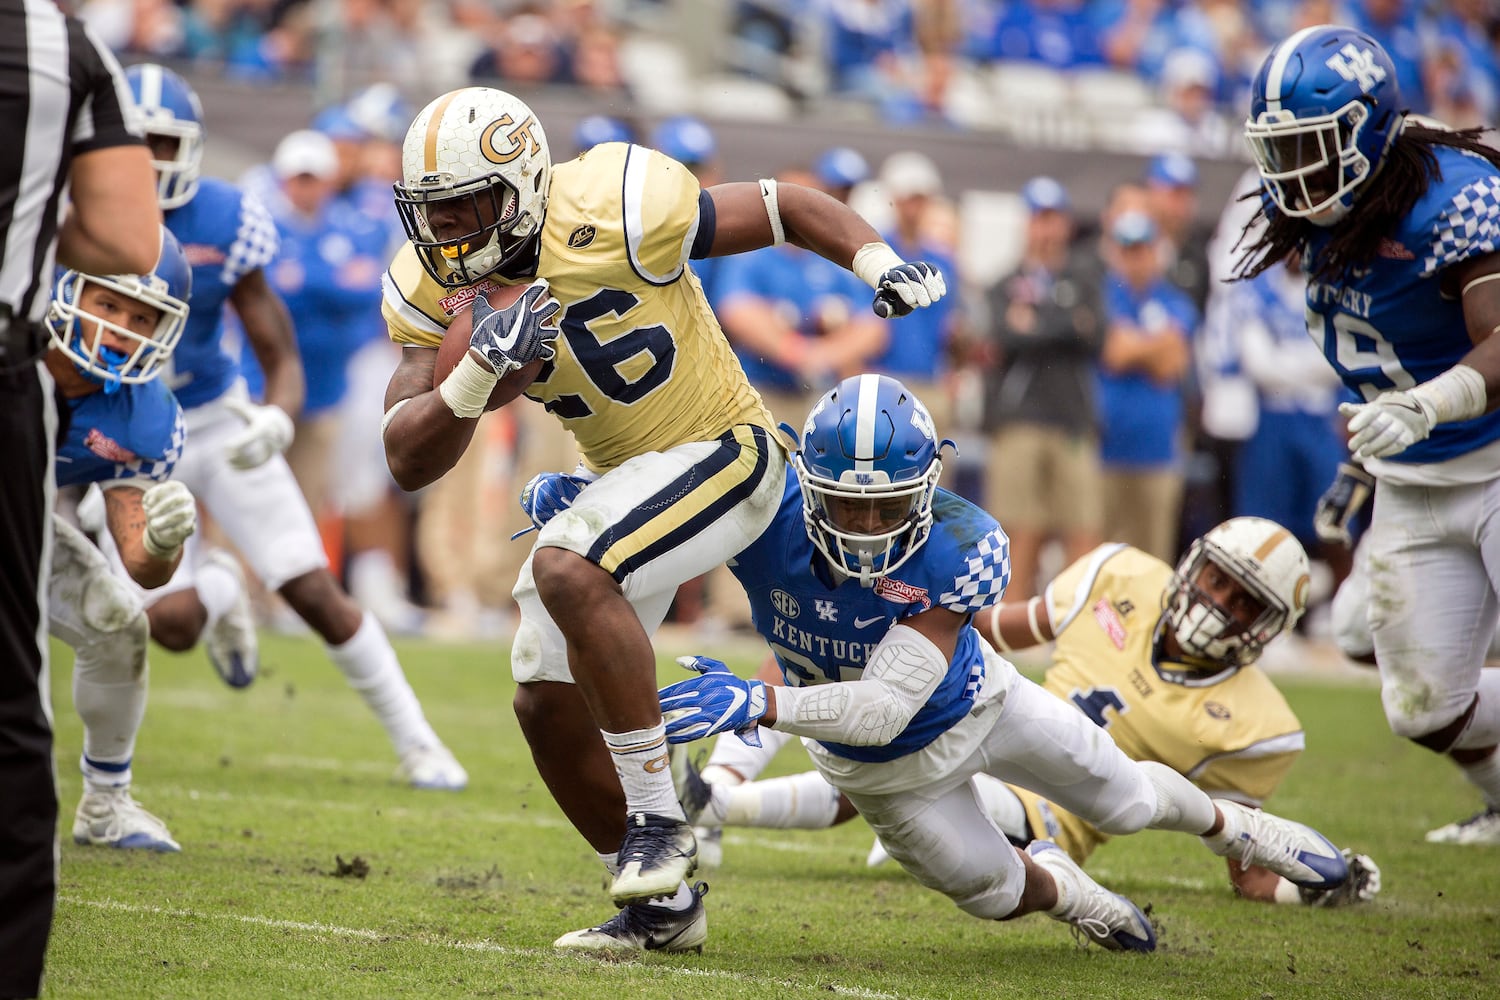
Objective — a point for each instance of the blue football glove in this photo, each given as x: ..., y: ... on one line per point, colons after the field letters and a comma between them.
x: 716, y: 702
x: 547, y: 494
x: 910, y: 286
x: 1340, y: 503
x: 519, y: 334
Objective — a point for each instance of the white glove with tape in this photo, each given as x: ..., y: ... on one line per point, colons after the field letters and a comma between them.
x: 1394, y: 421
x: 268, y: 431
x: 171, y: 516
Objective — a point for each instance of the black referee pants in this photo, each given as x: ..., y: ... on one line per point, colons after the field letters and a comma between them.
x: 28, y: 816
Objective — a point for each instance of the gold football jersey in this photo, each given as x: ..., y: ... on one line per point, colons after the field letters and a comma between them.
x: 1231, y: 733
x: 641, y: 363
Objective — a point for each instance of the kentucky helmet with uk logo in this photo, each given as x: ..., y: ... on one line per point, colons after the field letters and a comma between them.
x: 1325, y: 108
x: 96, y: 327
x: 169, y: 113
x: 868, y: 466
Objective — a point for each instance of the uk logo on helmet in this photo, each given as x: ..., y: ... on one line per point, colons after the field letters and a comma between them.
x: 1357, y: 65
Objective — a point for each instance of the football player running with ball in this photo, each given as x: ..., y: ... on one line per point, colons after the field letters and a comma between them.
x: 865, y: 586
x: 1398, y: 223
x: 683, y: 463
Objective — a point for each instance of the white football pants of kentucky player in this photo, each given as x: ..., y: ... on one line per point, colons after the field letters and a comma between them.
x: 99, y: 616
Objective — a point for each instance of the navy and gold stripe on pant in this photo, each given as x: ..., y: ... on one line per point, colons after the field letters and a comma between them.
x: 687, y: 505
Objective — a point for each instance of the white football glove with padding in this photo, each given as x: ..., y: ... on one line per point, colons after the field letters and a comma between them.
x: 268, y: 431
x: 171, y: 516
x: 1387, y: 425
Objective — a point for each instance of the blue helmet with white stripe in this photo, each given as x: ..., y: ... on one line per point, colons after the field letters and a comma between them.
x: 868, y: 465
x: 102, y: 337
x: 166, y: 106
x: 1325, y: 107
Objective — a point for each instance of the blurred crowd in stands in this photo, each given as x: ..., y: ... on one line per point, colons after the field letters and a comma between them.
x: 1109, y: 384
x: 908, y: 60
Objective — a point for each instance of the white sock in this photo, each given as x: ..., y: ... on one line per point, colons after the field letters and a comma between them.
x: 1485, y: 775
x: 681, y: 899
x: 798, y: 802
x: 370, y: 665
x: 104, y: 776
x: 747, y: 761
x: 109, y: 694
x: 1180, y: 805
x: 217, y: 590
x: 611, y: 862
x: 640, y: 758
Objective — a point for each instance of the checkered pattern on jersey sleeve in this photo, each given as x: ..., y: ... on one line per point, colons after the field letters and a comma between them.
x: 255, y: 242
x: 1469, y: 228
x: 985, y: 579
x: 157, y: 470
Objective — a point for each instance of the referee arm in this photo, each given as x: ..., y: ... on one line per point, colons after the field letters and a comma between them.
x: 113, y: 225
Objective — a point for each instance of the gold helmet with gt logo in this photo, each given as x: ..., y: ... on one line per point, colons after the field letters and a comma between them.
x: 473, y: 191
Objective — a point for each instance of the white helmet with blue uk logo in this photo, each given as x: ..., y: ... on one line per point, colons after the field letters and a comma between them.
x: 868, y: 466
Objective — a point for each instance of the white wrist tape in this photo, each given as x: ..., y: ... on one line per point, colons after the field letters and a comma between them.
x: 1036, y: 629
x: 390, y: 414
x: 872, y: 260
x: 773, y: 211
x: 467, y: 387
x: 1457, y: 394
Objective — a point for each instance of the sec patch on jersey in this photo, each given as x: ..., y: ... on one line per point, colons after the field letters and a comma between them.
x: 456, y: 342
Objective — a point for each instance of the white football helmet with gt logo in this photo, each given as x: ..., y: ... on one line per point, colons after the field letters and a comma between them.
x: 485, y: 146
x: 1264, y: 558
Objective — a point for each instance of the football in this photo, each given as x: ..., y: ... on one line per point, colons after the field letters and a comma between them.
x: 456, y: 342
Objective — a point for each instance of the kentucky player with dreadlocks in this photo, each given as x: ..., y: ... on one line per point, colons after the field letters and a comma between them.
x: 1397, y: 220
x: 123, y: 430
x: 865, y: 586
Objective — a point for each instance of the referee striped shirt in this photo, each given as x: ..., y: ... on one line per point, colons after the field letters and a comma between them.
x: 61, y: 94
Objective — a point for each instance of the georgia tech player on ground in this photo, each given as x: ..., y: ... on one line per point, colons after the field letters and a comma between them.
x: 233, y: 462
x: 687, y: 466
x: 865, y: 587
x: 124, y: 431
x: 1396, y: 220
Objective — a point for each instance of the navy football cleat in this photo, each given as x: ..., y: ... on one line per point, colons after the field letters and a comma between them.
x: 1296, y: 852
x: 657, y: 854
x: 643, y: 927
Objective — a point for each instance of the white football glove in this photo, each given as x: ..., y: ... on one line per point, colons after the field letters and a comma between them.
x: 1389, y: 424
x: 171, y: 516
x: 268, y: 431
x: 907, y: 287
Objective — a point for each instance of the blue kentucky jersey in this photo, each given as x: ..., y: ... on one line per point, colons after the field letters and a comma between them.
x: 226, y: 234
x: 135, y: 433
x: 1388, y: 326
x: 823, y: 633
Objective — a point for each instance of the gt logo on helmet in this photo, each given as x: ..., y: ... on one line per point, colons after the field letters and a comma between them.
x: 520, y: 137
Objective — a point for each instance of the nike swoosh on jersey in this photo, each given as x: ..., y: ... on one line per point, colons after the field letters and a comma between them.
x: 863, y: 622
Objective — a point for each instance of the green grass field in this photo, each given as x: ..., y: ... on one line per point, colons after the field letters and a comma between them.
x: 268, y: 788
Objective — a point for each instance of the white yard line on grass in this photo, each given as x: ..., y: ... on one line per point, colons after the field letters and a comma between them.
x: 488, y: 947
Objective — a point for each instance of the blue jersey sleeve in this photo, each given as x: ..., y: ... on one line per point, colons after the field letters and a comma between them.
x: 1467, y: 226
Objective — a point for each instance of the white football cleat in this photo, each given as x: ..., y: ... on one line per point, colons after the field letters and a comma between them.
x: 1106, y: 918
x: 1296, y: 852
x: 1481, y: 828
x: 231, y: 643
x: 643, y: 927
x: 432, y: 768
x: 656, y: 856
x: 111, y: 818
